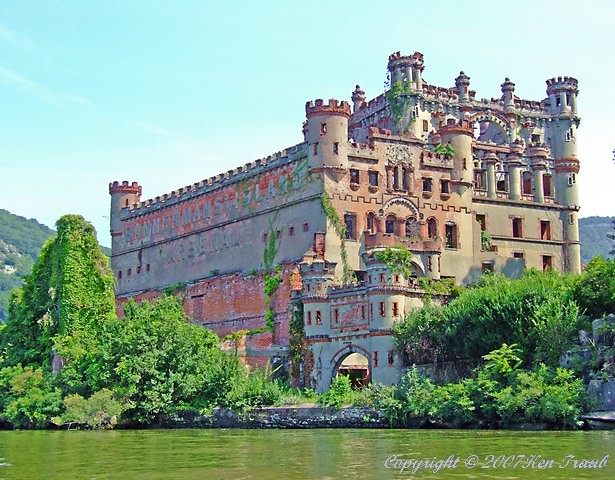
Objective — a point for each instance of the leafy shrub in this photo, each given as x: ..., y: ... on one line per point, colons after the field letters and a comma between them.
x: 339, y: 394
x: 595, y: 289
x: 99, y: 411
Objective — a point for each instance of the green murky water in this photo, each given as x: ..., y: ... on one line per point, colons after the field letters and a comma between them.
x: 302, y: 454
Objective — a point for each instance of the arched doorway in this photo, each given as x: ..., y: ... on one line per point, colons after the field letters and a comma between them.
x: 356, y: 367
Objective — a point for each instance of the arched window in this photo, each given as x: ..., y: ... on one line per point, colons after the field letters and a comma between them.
x: 432, y: 228
x: 413, y: 228
x: 371, y: 222
x: 390, y: 224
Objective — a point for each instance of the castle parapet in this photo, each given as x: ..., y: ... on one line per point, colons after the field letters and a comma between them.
x: 333, y: 107
x: 462, y: 127
x: 125, y: 187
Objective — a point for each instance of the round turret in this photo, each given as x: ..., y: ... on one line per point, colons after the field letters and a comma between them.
x: 327, y: 134
x: 358, y: 99
x: 462, y: 82
x: 406, y: 69
x: 562, y: 92
x: 460, y: 135
x: 123, y: 195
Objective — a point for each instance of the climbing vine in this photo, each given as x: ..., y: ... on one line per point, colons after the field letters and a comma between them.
x: 272, y: 276
x: 398, y: 101
x: 340, y: 230
x: 297, y: 344
x: 398, y: 259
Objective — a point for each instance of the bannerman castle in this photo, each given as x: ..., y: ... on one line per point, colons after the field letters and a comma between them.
x: 466, y: 185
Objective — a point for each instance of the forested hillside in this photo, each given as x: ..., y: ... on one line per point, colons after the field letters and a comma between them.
x: 20, y: 241
x: 594, y: 240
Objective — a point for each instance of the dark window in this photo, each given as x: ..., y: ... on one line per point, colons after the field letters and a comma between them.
x: 350, y: 220
x: 395, y: 309
x: 546, y: 185
x: 432, y: 228
x: 547, y: 262
x: 371, y: 310
x: 382, y: 309
x: 382, y: 278
x: 427, y: 182
x: 315, y: 146
x: 309, y: 318
x: 306, y: 227
x: 391, y: 358
x: 405, y: 179
x: 138, y: 268
x: 291, y: 231
x: 527, y: 183
x: 323, y: 128
x: 535, y: 138
x: 318, y: 318
x: 336, y: 148
x: 558, y: 101
x: 545, y: 230
x: 429, y: 264
x: 480, y: 218
x: 336, y: 315
x: 371, y: 223
x: 375, y: 358
x: 517, y: 227
x: 362, y: 312
x: 119, y: 275
x: 373, y: 178
x: 500, y: 183
x: 487, y: 267
x: 265, y: 237
x: 147, y: 267
x: 396, y: 277
x: 451, y: 236
x: 129, y: 272
x: 396, y: 178
x: 354, y: 175
x: 390, y: 224
x: 518, y: 255
x: 425, y: 126
x: 444, y: 186
x: 278, y: 234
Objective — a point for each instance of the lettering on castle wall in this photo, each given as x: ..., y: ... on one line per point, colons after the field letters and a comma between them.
x: 241, y: 199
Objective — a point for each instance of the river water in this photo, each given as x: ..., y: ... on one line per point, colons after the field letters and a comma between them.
x: 303, y: 454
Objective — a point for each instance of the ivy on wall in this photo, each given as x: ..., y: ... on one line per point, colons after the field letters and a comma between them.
x: 398, y: 259
x: 397, y: 100
x: 298, y: 346
x: 340, y: 230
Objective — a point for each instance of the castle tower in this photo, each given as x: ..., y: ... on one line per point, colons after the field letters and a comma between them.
x: 459, y: 135
x: 562, y: 94
x: 122, y: 195
x: 462, y: 82
x: 508, y: 97
x: 358, y: 99
x: 327, y: 134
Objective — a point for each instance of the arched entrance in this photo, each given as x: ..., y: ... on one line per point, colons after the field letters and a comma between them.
x: 355, y: 366
x: 354, y: 362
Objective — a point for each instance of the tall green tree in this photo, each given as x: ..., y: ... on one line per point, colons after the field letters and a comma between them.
x: 70, y: 287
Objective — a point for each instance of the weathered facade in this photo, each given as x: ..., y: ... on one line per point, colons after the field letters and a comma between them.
x: 466, y: 185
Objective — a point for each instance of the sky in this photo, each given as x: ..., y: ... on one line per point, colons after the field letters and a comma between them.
x: 170, y: 93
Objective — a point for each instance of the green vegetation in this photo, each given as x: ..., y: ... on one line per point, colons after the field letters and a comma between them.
x: 20, y: 242
x: 397, y: 100
x: 340, y: 230
x: 445, y: 149
x: 485, y: 240
x: 398, y: 259
x: 595, y: 288
x: 499, y: 394
x: 538, y: 312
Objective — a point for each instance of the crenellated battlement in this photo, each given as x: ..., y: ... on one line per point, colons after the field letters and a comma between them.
x: 452, y: 127
x: 562, y: 84
x: 333, y: 107
x: 207, y: 185
x: 124, y: 187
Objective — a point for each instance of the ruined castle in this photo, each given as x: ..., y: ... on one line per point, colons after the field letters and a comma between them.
x: 466, y: 185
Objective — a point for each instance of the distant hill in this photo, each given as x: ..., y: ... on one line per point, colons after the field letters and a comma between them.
x: 20, y: 241
x: 594, y: 240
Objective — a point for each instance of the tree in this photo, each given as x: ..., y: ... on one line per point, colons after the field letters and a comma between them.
x: 71, y: 286
x: 612, y: 237
x: 595, y: 289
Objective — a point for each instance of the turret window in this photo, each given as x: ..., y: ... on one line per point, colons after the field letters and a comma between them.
x: 323, y: 128
x: 318, y: 318
x: 336, y: 148
x: 572, y: 179
x: 445, y: 186
x: 315, y: 147
x: 382, y: 309
x: 427, y: 182
x: 354, y: 175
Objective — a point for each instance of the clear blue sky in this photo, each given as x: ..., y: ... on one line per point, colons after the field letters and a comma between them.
x: 169, y: 93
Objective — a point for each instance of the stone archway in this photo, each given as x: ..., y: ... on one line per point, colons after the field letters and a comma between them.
x: 353, y: 361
